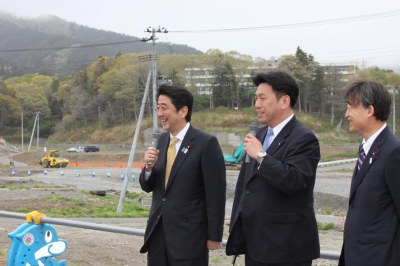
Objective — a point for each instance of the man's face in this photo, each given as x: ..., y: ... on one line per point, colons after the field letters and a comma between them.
x: 171, y: 119
x: 357, y: 115
x: 268, y: 107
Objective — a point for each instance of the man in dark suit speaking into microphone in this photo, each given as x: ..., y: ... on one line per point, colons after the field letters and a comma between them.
x: 186, y: 173
x: 273, y: 220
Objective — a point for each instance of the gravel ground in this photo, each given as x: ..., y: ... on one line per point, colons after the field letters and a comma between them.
x: 90, y: 247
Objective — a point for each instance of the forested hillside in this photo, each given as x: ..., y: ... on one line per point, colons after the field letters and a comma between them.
x: 40, y: 45
x: 108, y: 93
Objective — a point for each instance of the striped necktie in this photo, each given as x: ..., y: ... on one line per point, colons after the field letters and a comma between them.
x: 361, y: 158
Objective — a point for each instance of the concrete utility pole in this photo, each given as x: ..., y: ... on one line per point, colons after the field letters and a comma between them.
x: 332, y: 107
x: 22, y: 131
x: 393, y: 91
x: 153, y: 32
x: 37, y: 133
x: 127, y: 174
x: 153, y: 75
x: 33, y: 130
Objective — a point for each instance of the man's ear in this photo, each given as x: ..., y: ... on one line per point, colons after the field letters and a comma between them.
x: 183, y: 111
x: 285, y: 101
x: 371, y: 110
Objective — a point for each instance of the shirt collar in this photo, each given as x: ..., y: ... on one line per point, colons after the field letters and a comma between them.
x: 368, y: 143
x: 278, y: 128
x: 181, y: 135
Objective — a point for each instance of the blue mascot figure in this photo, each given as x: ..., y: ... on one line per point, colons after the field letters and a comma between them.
x: 35, y: 244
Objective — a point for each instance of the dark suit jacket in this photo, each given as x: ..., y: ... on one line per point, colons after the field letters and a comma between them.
x: 273, y: 218
x: 192, y: 207
x: 372, y: 229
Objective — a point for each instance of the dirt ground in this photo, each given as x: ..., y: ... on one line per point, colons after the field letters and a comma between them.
x: 90, y: 247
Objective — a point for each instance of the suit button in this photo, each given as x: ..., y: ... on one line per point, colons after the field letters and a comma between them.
x: 164, y: 199
x: 247, y: 192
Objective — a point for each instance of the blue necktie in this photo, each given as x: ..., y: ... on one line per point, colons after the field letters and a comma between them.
x: 267, y: 140
x: 361, y: 158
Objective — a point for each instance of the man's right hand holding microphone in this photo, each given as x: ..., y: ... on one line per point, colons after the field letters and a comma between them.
x: 151, y: 154
x: 150, y: 157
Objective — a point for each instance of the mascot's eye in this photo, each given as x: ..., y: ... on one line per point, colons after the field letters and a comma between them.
x: 48, y: 237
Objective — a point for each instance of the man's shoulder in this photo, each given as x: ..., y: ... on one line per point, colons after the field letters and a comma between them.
x: 201, y: 133
x: 302, y: 127
x: 390, y: 139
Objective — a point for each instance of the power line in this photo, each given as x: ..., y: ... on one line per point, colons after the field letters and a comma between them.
x: 300, y: 24
x: 354, y: 57
x: 68, y: 47
x: 395, y: 48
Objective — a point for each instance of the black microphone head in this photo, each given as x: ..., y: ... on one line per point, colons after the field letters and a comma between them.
x: 156, y: 137
x: 253, y: 128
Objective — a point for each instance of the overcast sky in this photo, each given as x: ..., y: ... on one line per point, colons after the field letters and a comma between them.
x: 369, y: 41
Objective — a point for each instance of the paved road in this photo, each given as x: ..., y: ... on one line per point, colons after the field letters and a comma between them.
x: 6, y: 161
x: 328, y: 181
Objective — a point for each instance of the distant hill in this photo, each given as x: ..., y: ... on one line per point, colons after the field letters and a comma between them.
x: 42, y: 34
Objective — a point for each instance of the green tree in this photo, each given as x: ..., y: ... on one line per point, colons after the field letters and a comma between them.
x: 77, y: 100
x: 10, y: 111
x: 225, y: 88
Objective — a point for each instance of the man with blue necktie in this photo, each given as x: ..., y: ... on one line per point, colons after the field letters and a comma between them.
x: 372, y: 229
x: 273, y: 220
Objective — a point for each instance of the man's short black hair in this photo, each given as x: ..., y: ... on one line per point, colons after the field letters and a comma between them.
x: 180, y: 97
x: 281, y: 83
x: 369, y: 93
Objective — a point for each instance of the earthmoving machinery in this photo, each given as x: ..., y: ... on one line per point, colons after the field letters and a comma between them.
x: 53, y: 159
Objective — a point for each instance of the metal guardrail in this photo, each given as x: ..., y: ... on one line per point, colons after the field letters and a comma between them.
x: 329, y: 255
x: 79, y: 224
x: 337, y: 162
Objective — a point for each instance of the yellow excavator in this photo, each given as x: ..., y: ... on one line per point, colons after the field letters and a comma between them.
x: 53, y: 159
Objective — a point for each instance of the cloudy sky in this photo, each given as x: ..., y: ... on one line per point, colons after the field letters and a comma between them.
x: 361, y: 31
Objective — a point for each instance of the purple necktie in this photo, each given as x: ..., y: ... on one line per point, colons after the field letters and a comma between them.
x: 361, y: 157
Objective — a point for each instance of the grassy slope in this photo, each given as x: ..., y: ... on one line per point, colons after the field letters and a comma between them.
x: 334, y: 144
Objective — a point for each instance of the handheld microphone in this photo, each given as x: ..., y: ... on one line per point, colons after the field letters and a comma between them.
x: 253, y: 131
x: 154, y: 142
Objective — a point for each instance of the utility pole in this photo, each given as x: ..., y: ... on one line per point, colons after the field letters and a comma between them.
x: 128, y: 170
x: 332, y: 108
x: 33, y: 130
x: 153, y: 32
x: 22, y: 131
x: 98, y: 109
x: 37, y: 133
x: 393, y: 91
x: 152, y: 76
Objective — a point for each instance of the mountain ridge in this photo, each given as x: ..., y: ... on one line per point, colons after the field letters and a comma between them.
x: 29, y: 44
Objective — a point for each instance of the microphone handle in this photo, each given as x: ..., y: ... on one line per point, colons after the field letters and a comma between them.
x: 247, y: 160
x: 154, y: 144
x: 253, y: 131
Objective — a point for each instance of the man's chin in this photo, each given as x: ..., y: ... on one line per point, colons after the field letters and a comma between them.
x: 261, y: 120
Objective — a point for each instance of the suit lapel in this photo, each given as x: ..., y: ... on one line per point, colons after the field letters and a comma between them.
x: 251, y: 167
x: 162, y: 158
x: 369, y: 160
x: 183, y: 152
x: 280, y: 139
